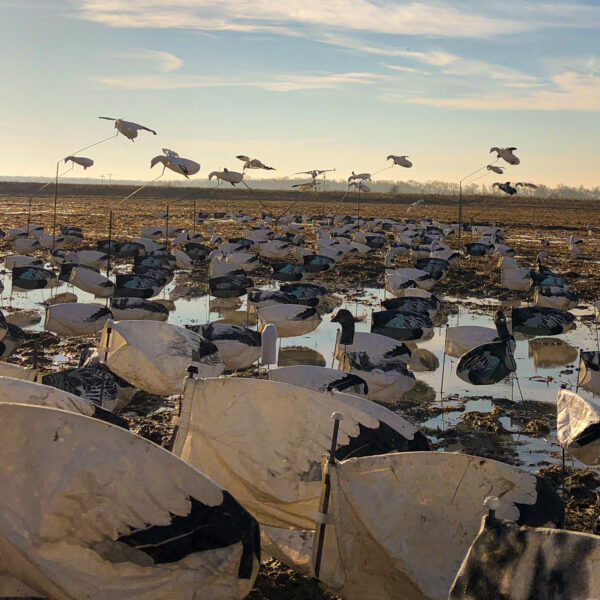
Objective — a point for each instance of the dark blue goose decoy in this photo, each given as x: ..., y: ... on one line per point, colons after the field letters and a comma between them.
x: 158, y: 262
x: 138, y: 309
x: 544, y: 276
x: 121, y: 249
x: 541, y: 320
x: 315, y: 263
x: 137, y: 286
x: 400, y: 325
x: 478, y: 249
x: 304, y: 291
x: 197, y: 252
x: 414, y: 304
x: 96, y: 384
x: 230, y: 286
x: 436, y: 267
x: 375, y: 241
x: 12, y: 337
x: 260, y: 298
x: 285, y: 271
x: 489, y: 363
x: 32, y: 278
x: 506, y: 188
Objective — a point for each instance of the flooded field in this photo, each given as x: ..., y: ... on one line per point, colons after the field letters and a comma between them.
x: 513, y: 421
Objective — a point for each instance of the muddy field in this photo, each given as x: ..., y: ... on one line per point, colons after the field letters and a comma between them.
x: 528, y: 222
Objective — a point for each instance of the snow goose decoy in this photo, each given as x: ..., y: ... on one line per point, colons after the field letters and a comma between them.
x: 555, y: 297
x: 489, y: 363
x: 401, y: 161
x: 154, y: 355
x: 506, y: 154
x: 186, y: 535
x: 589, y: 371
x: 76, y: 318
x: 495, y: 169
x: 172, y: 160
x: 232, y: 177
x: 541, y: 320
x: 578, y: 425
x: 238, y: 346
x: 91, y: 281
x: 320, y: 379
x: 253, y: 163
x: 290, y: 319
x: 379, y: 347
x: 400, y: 279
x: 359, y: 176
x: 128, y: 128
x: 82, y: 161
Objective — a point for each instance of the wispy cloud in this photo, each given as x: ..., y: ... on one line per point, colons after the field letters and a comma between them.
x: 443, y: 18
x: 161, y: 61
x: 283, y: 82
x: 570, y: 91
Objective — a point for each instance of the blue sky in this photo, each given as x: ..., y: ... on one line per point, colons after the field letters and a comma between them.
x: 304, y: 84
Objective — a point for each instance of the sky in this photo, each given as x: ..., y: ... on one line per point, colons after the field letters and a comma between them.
x: 304, y: 84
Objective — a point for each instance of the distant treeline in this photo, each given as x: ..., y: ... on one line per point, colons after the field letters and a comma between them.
x: 199, y: 187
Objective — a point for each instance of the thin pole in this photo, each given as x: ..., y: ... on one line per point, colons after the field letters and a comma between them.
x: 29, y: 221
x: 55, y: 201
x: 110, y: 222
x: 325, y: 493
x: 167, y: 230
x: 194, y: 220
x: 459, y: 208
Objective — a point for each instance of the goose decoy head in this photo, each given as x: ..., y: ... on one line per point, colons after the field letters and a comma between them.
x: 501, y: 325
x: 346, y: 320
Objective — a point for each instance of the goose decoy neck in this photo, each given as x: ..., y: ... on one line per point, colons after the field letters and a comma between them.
x: 501, y: 326
x: 346, y: 320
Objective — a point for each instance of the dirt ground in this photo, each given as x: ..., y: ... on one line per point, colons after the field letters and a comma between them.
x: 527, y: 221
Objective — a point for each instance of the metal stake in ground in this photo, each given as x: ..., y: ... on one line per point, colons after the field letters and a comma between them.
x: 325, y: 494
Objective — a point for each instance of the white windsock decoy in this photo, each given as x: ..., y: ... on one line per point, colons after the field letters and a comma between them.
x: 128, y: 128
x: 495, y: 169
x: 401, y: 161
x: 231, y: 177
x: 363, y: 176
x: 147, y: 525
x: 506, y: 154
x: 526, y: 184
x: 315, y: 172
x: 81, y: 161
x: 361, y: 185
x: 172, y: 160
x: 253, y: 163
